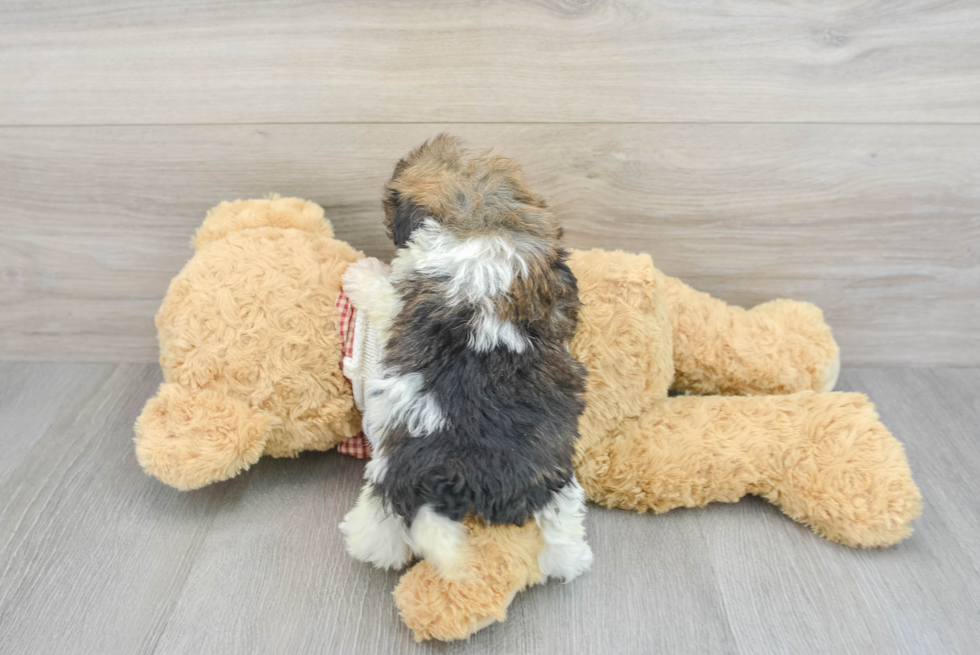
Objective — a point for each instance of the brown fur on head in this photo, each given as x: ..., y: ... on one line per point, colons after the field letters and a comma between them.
x: 473, y: 195
x: 468, y: 194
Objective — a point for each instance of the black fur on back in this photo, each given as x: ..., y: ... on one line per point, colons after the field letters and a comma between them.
x: 512, y: 417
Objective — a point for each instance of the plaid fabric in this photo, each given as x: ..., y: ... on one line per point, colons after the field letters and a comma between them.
x: 345, y: 323
x: 358, y: 445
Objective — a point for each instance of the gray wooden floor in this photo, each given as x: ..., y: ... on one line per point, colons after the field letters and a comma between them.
x: 96, y: 557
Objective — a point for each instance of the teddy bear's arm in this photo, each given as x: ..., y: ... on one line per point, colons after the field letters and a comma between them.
x: 779, y: 347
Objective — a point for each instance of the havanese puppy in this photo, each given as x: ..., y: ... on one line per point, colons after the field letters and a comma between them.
x: 477, y: 409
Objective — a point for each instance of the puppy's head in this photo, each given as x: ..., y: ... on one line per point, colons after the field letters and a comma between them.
x: 467, y: 195
x: 483, y: 199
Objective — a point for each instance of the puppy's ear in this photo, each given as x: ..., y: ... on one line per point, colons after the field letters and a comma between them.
x: 546, y: 300
x: 402, y: 217
x: 565, y: 315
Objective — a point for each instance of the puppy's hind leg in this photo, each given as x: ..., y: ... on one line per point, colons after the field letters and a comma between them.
x: 374, y: 534
x: 566, y: 555
x: 441, y: 541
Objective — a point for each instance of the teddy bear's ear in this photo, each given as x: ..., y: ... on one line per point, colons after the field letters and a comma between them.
x: 283, y: 213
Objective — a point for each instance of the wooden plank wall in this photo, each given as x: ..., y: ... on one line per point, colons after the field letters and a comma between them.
x: 822, y: 151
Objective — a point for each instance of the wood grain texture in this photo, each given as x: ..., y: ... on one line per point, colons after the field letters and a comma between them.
x: 878, y: 225
x: 139, y: 61
x: 32, y: 397
x: 96, y: 557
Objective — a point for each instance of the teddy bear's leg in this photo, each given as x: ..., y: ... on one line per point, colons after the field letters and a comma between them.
x: 824, y: 458
x: 504, y: 561
x: 375, y: 535
x: 189, y: 439
x: 779, y: 347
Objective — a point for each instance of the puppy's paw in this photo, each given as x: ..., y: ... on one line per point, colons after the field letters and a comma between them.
x: 367, y: 283
x: 375, y: 536
x: 566, y: 554
x: 364, y: 275
x: 565, y: 561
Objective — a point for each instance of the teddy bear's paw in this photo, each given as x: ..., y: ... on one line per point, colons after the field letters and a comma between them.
x: 434, y: 608
x: 848, y: 478
x: 787, y: 347
x: 501, y: 561
x: 191, y: 439
x: 831, y: 373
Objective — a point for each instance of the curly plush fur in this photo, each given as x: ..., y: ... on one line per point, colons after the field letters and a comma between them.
x: 824, y: 457
x: 248, y: 346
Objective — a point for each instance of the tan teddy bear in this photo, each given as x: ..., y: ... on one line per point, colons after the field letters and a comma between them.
x: 248, y: 346
x: 251, y: 361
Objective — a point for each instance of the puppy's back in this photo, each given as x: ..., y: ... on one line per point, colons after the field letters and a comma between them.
x: 479, y: 410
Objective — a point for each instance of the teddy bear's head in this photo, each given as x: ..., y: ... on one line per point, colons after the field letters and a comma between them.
x: 249, y: 346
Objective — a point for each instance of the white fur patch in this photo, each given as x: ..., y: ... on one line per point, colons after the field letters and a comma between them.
x: 438, y: 539
x: 475, y: 269
x: 489, y: 332
x: 368, y: 285
x: 398, y: 398
x: 374, y: 535
x: 376, y: 469
x: 566, y: 555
